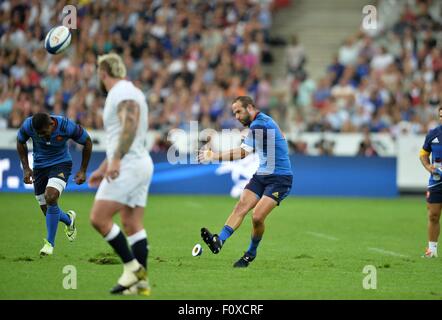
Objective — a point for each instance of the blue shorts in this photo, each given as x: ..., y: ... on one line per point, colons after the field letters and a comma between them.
x: 42, y: 175
x: 434, y: 195
x: 274, y: 186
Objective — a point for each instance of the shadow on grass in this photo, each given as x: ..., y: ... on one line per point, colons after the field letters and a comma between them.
x: 25, y: 259
x: 105, y: 258
x: 303, y: 256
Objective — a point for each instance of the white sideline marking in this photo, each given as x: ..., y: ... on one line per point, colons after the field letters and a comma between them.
x: 321, y: 235
x: 390, y: 253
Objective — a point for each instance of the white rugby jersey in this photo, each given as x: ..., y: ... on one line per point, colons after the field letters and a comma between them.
x: 125, y: 90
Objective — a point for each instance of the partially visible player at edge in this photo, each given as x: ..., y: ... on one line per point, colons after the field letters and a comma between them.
x: 125, y: 175
x: 52, y: 168
x: 268, y: 186
x: 433, y: 145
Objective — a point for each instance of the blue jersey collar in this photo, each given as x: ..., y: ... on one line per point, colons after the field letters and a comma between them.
x: 256, y: 116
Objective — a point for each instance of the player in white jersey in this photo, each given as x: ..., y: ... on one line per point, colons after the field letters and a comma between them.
x: 124, y: 176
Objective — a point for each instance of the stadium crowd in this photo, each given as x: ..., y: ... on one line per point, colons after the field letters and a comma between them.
x: 191, y: 58
x: 388, y: 82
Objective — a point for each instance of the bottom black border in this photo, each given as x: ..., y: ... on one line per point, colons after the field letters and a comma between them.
x: 219, y: 309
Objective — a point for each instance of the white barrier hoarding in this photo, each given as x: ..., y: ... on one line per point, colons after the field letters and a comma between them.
x: 411, y: 175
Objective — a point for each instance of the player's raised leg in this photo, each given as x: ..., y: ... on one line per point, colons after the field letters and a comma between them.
x: 58, y: 177
x: 41, y: 180
x: 68, y: 218
x: 247, y: 201
x: 54, y: 214
x: 132, y: 220
x: 260, y: 213
x: 434, y: 211
x: 101, y: 219
x: 48, y: 187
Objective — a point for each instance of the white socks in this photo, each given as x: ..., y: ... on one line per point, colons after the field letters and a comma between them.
x: 131, y: 266
x: 140, y: 235
x: 432, y: 246
x: 113, y: 233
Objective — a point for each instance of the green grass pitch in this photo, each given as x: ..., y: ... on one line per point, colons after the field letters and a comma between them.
x: 313, y: 248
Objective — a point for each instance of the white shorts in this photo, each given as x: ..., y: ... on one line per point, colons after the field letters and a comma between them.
x: 131, y: 186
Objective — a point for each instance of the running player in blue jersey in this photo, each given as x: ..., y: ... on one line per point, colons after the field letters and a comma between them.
x: 52, y: 167
x: 433, y: 145
x: 267, y: 188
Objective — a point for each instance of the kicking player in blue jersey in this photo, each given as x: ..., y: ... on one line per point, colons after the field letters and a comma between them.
x: 268, y: 186
x: 433, y: 145
x: 52, y: 167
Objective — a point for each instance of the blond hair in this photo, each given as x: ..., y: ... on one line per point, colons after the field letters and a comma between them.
x: 112, y: 64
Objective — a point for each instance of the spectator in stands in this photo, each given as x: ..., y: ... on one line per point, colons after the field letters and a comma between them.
x: 295, y: 56
x: 297, y: 146
x: 381, y: 60
x: 348, y: 53
x: 335, y: 69
x: 303, y: 89
x: 366, y: 148
x: 264, y: 92
x: 322, y: 92
x: 325, y: 147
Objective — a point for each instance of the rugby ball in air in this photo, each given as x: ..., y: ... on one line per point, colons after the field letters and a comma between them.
x: 57, y: 39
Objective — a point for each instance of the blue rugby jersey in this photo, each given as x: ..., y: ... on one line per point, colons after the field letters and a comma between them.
x: 267, y: 140
x: 46, y: 153
x: 433, y: 145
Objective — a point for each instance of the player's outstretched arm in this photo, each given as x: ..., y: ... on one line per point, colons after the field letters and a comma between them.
x: 233, y: 154
x: 22, y: 150
x: 129, y: 115
x: 229, y: 155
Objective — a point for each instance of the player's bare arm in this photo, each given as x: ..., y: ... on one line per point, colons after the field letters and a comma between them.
x: 80, y: 177
x: 229, y: 155
x: 129, y: 115
x: 97, y: 176
x: 22, y: 150
x: 424, y: 157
